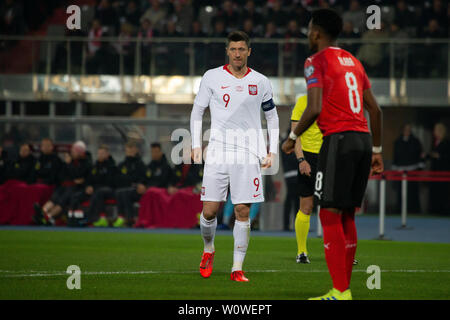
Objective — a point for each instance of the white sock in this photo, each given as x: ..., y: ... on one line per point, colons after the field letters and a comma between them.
x: 208, y: 231
x: 241, y: 234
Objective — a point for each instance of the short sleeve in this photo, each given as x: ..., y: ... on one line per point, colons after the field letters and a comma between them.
x: 313, y: 73
x: 268, y: 93
x: 204, y: 92
x: 366, y: 81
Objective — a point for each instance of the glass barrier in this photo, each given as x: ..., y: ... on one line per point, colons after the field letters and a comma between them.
x: 382, y: 58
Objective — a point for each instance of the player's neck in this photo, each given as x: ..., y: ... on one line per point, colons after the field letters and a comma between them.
x: 324, y: 45
x: 238, y: 72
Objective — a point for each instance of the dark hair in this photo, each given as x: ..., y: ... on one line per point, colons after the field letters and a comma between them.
x: 104, y: 147
x: 329, y: 21
x: 238, y: 36
x: 156, y: 145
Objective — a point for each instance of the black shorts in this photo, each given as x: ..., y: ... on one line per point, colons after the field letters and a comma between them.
x: 343, y: 169
x: 306, y: 184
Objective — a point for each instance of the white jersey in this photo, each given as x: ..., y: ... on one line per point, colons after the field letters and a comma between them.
x: 235, y: 107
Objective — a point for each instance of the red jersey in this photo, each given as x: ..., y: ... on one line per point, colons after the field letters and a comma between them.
x: 343, y: 80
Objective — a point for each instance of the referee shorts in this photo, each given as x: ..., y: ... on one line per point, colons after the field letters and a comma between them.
x: 306, y: 184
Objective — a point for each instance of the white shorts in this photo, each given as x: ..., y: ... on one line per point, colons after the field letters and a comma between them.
x: 244, y: 181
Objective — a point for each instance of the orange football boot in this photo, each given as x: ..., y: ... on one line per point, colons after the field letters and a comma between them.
x: 238, y: 276
x: 206, y: 265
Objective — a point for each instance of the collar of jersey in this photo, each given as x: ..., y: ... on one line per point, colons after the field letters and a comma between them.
x: 225, y: 67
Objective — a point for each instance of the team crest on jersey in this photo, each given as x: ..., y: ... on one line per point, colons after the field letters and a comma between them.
x: 309, y: 71
x: 253, y: 89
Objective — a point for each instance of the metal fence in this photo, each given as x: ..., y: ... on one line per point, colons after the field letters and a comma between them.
x: 382, y: 57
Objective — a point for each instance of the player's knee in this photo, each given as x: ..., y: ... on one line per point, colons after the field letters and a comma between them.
x: 242, y: 212
x: 209, y: 214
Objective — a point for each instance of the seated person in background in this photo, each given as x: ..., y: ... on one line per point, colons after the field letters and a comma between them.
x: 72, y: 177
x: 99, y: 187
x: 130, y: 183
x: 48, y: 164
x: 21, y: 169
x: 185, y: 175
x: 159, y: 170
x: 3, y: 164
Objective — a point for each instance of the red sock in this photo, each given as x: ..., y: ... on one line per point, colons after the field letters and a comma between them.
x: 334, y: 243
x: 351, y: 237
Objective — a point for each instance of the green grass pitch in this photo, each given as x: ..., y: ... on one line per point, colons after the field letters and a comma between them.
x: 165, y: 266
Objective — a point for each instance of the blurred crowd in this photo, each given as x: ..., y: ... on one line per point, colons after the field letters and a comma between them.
x: 69, y: 185
x: 272, y: 19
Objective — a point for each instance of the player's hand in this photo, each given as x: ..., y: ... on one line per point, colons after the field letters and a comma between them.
x: 305, y: 168
x: 288, y: 146
x: 377, y: 164
x: 267, y: 161
x: 196, y: 155
x: 140, y: 188
x: 89, y: 190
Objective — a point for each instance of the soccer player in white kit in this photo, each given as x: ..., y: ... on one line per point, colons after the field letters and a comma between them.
x: 236, y: 151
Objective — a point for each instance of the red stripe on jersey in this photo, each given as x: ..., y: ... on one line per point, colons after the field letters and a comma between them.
x: 225, y: 67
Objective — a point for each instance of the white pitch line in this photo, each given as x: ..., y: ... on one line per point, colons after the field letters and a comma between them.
x: 19, y: 274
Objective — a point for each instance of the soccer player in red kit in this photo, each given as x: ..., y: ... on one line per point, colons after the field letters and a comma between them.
x: 338, y: 89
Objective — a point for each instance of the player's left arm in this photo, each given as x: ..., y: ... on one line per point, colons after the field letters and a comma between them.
x: 271, y: 115
x: 376, y: 125
x: 273, y: 128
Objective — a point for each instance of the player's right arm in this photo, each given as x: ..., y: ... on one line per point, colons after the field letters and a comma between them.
x: 376, y: 125
x: 201, y: 102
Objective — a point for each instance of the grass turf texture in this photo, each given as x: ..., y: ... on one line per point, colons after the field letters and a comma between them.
x: 25, y: 253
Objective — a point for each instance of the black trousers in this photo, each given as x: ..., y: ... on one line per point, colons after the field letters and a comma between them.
x: 126, y: 197
x: 292, y: 201
x: 96, y: 202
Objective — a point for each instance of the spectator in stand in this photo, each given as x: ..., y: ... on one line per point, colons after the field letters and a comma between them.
x: 12, y: 21
x: 132, y: 14
x: 216, y: 53
x: 293, y: 52
x: 155, y: 14
x: 250, y: 12
x: 349, y: 32
x: 182, y: 16
x: 408, y: 156
x: 95, y: 48
x: 107, y: 15
x: 130, y: 185
x: 270, y: 61
x: 438, y: 12
x: 22, y: 168
x: 249, y: 29
x: 185, y: 175
x: 440, y: 161
x: 374, y: 55
x: 229, y: 15
x: 404, y: 17
x: 72, y: 177
x: 126, y: 47
x: 3, y: 165
x: 146, y: 33
x: 159, y: 171
x: 199, y: 48
x: 276, y: 13
x: 99, y: 188
x: 355, y: 15
x: 301, y: 15
x: 433, y: 54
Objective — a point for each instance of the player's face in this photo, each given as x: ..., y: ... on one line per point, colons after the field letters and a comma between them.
x: 238, y: 53
x: 313, y: 35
